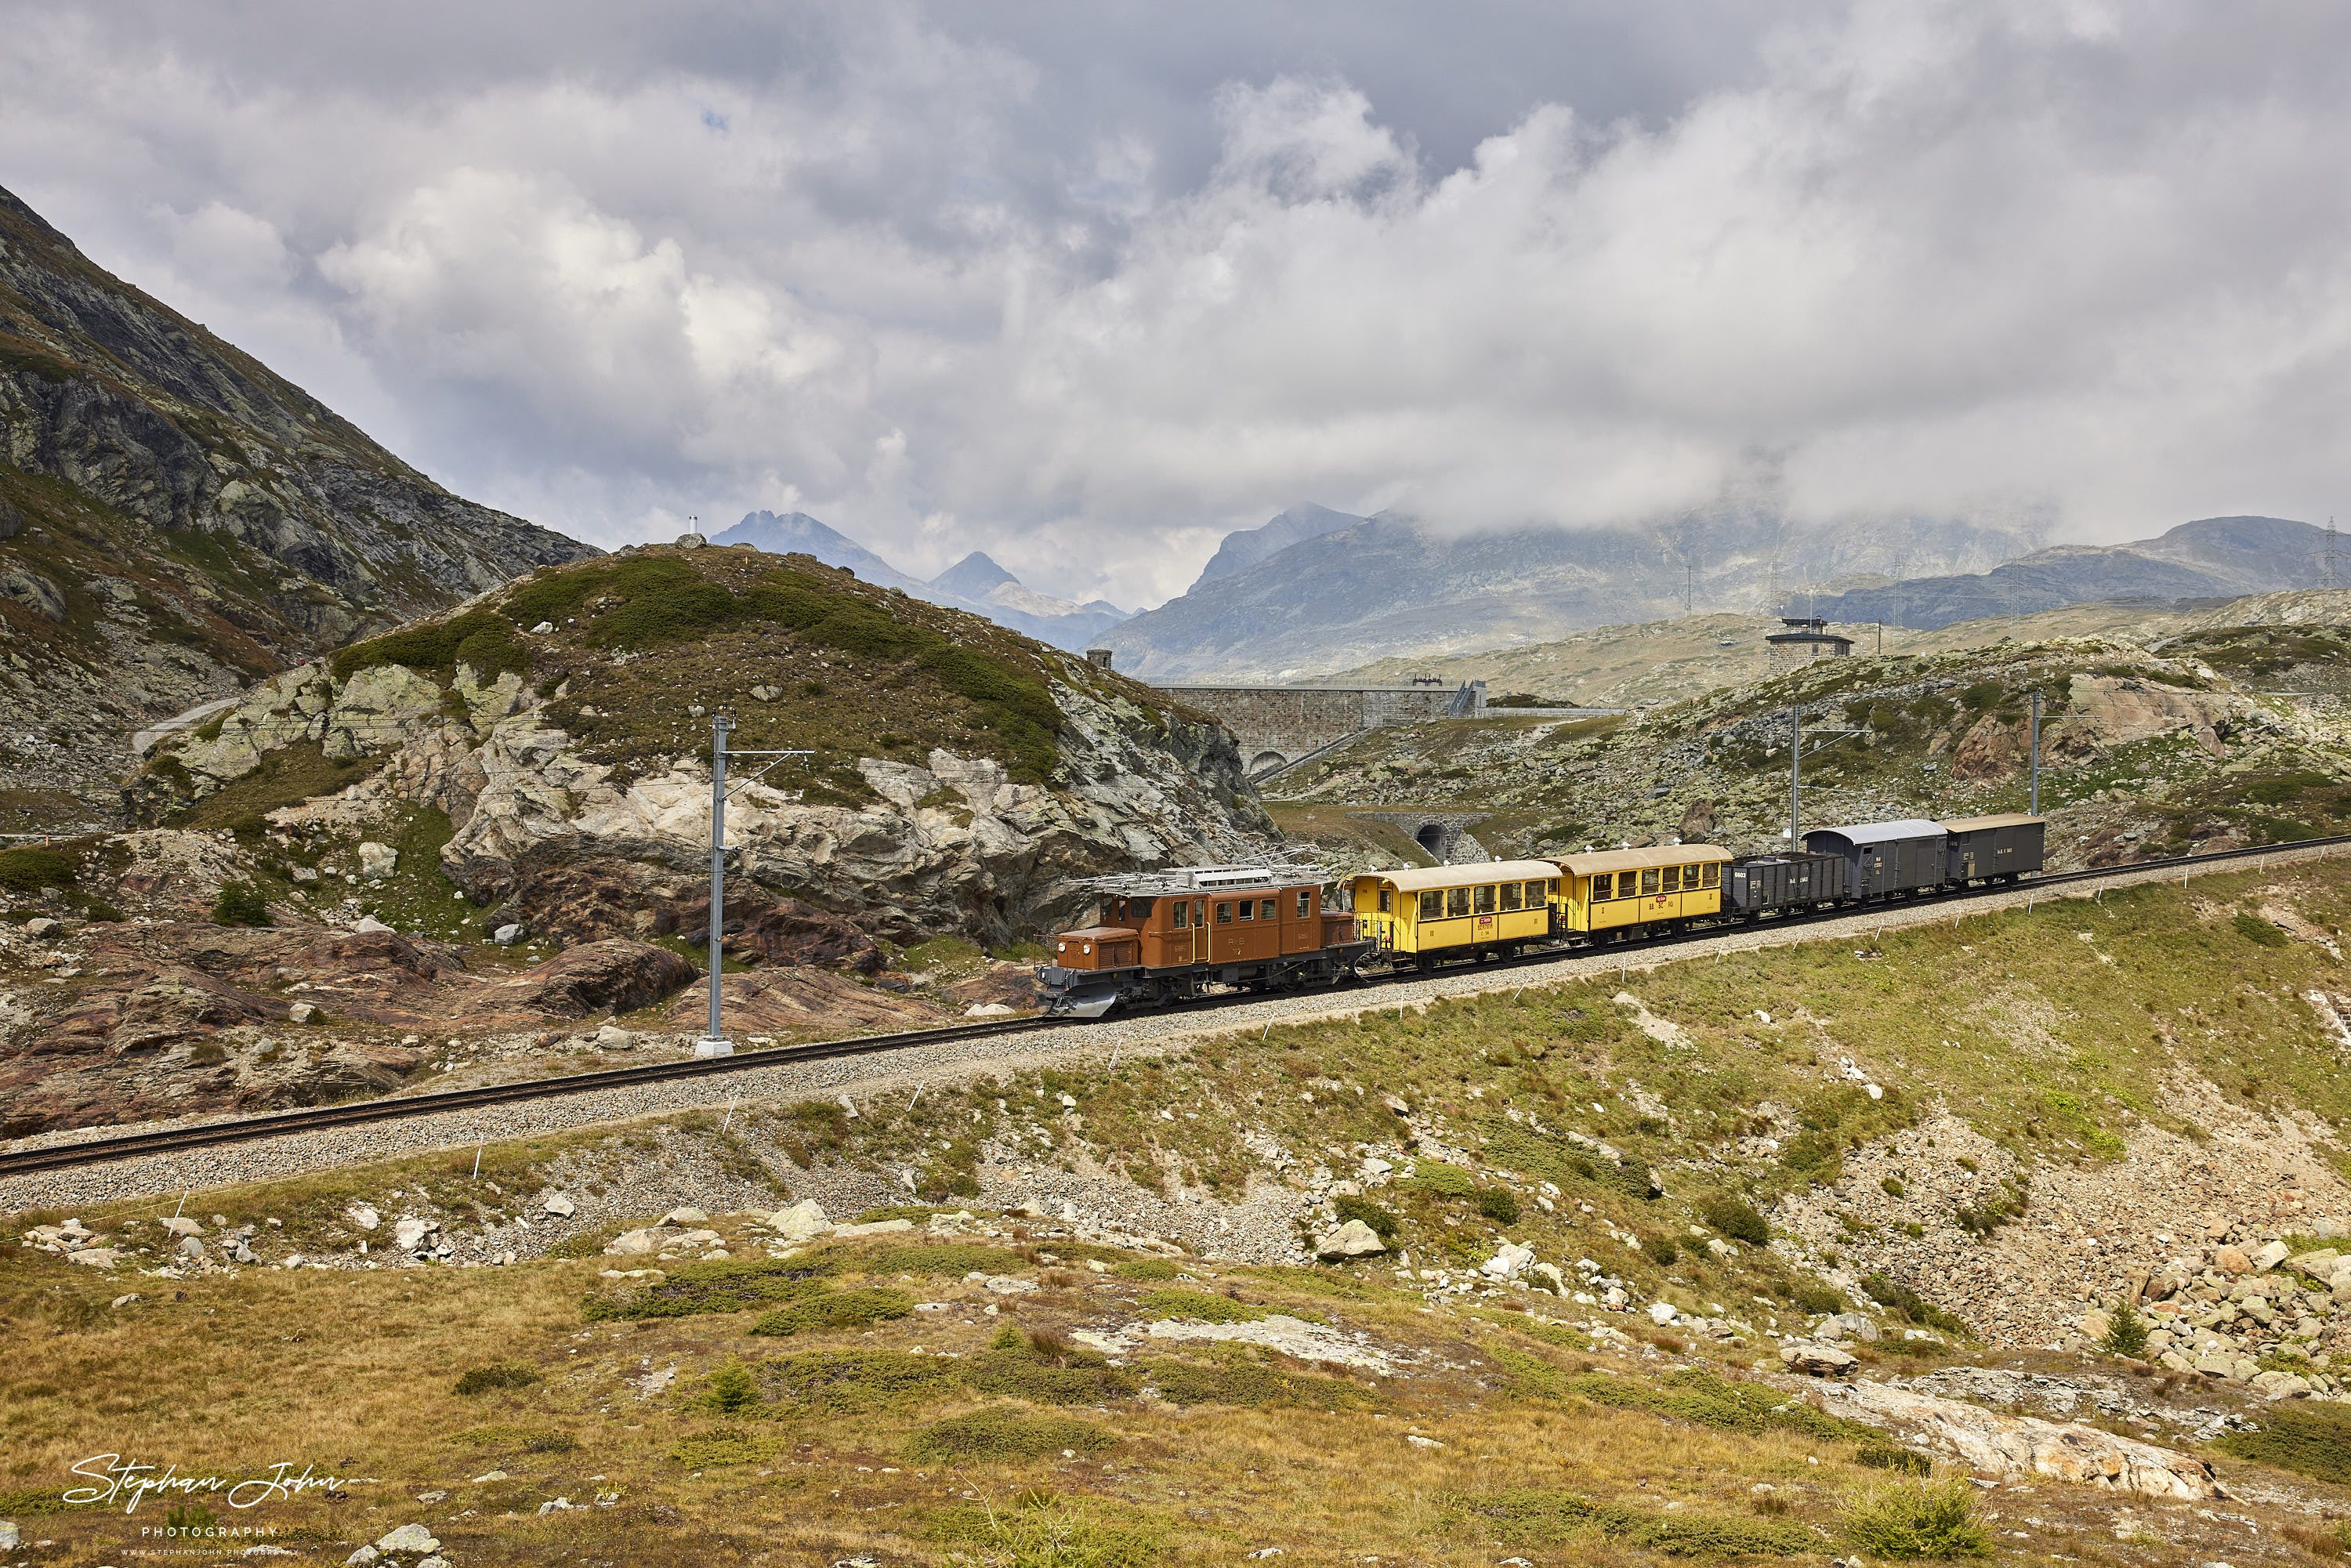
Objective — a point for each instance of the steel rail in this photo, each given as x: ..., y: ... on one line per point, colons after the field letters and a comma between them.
x: 100, y: 1151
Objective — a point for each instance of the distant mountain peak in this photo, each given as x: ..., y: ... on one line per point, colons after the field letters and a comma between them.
x: 1245, y: 547
x: 973, y: 576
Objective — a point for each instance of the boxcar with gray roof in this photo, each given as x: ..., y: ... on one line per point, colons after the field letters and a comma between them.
x: 1885, y: 858
x: 1992, y: 849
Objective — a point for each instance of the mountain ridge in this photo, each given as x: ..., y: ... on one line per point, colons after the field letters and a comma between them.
x: 176, y: 519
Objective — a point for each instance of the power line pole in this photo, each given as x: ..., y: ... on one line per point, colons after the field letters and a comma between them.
x: 715, y: 1041
x: 2034, y: 808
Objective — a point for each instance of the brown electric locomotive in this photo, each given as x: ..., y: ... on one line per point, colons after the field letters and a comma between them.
x: 1160, y: 937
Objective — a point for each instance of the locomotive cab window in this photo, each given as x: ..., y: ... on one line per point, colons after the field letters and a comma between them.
x: 1432, y: 905
x: 1485, y: 900
x: 1265, y: 909
x: 1249, y: 909
x: 1179, y: 922
x: 1224, y: 915
x: 1456, y: 901
x: 1511, y: 891
x: 1306, y: 902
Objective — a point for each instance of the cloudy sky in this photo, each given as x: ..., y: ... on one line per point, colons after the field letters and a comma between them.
x: 1085, y: 284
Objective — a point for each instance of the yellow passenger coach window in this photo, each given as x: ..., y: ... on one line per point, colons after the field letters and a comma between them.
x: 1485, y: 900
x: 1432, y: 905
x: 1648, y: 882
x: 1713, y: 873
x: 1388, y: 903
x: 1672, y: 874
x: 1509, y: 896
x: 1456, y: 901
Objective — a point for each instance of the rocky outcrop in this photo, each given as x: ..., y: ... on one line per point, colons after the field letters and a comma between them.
x: 211, y: 520
x: 1987, y: 1441
x: 559, y: 842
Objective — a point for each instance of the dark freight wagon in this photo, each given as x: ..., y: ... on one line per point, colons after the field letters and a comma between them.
x: 2001, y: 848
x: 1774, y: 881
x: 1881, y: 858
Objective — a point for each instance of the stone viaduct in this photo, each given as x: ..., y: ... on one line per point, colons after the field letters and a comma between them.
x: 1279, y: 727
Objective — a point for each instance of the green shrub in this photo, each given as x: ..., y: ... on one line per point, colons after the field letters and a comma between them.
x: 729, y: 1285
x: 2125, y: 1332
x: 1980, y: 1220
x: 1819, y: 1298
x: 1381, y: 1223
x: 663, y: 601
x: 1893, y: 1188
x: 2312, y: 1440
x: 1039, y: 1531
x: 1045, y: 1369
x: 857, y: 1381
x: 1254, y: 1385
x: 1662, y: 1250
x: 1917, y: 1308
x: 1201, y: 1306
x: 1917, y: 1518
x: 504, y: 1375
x: 1436, y: 1181
x: 241, y: 904
x: 1708, y: 1400
x: 1002, y: 1432
x: 1160, y: 1269
x: 1739, y: 1222
x: 529, y: 1440
x: 840, y: 1310
x: 730, y: 1388
x: 434, y: 647
x: 1812, y: 1154
x: 31, y: 869
x: 1536, y: 1516
x: 724, y: 1445
x: 1499, y: 1205
x: 1885, y: 1456
x: 2259, y: 932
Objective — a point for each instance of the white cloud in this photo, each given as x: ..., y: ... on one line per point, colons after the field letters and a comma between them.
x: 951, y: 280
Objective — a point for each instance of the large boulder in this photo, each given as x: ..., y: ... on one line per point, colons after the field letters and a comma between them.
x: 803, y: 1221
x: 1816, y: 1360
x: 1352, y: 1239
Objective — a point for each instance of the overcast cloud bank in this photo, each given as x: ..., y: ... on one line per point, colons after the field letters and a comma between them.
x: 1087, y: 295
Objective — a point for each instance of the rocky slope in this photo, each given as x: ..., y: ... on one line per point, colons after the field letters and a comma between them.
x: 176, y: 521
x: 2164, y: 749
x: 1649, y: 662
x: 960, y: 777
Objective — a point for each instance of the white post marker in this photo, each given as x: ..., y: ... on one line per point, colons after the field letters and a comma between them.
x: 714, y: 1040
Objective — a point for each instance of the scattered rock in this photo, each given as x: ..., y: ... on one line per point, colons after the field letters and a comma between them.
x: 1418, y: 1441
x: 879, y: 1227
x: 377, y: 861
x: 179, y: 1225
x: 556, y: 1204
x: 612, y: 1037
x: 407, y: 1539
x: 803, y: 1221
x: 685, y: 1217
x: 507, y: 935
x: 1352, y: 1239
x: 987, y: 1011
x: 1663, y: 1313
x: 369, y: 925
x: 1009, y: 1285
x: 2279, y: 1386
x: 2271, y: 1255
x: 363, y: 1216
x: 1817, y: 1360
x: 408, y: 1233
x: 2231, y: 1260
x: 303, y: 1012
x: 43, y: 927
x: 645, y: 1238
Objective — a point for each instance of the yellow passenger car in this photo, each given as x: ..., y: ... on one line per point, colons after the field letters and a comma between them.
x: 1620, y: 888
x: 1450, y: 909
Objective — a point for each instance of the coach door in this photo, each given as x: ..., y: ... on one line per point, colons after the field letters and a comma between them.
x: 1188, y: 926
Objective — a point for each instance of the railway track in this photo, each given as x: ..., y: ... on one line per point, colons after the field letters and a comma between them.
x: 100, y: 1150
